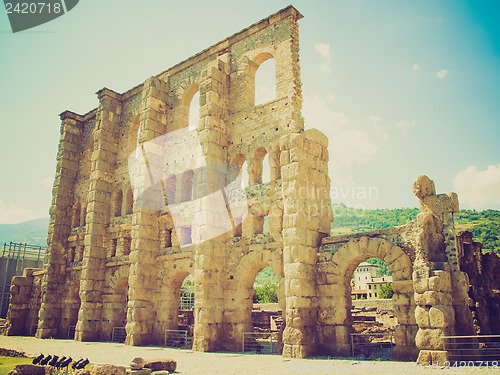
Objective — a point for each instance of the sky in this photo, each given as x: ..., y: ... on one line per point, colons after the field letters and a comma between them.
x: 400, y: 87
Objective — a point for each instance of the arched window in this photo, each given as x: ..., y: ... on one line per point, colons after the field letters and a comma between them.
x: 133, y: 135
x: 190, y: 107
x: 265, y: 80
x: 194, y: 112
x: 266, y: 170
x: 129, y: 208
x: 76, y: 215
x: 245, y: 178
x: 257, y: 163
x: 118, y: 203
x: 83, y: 219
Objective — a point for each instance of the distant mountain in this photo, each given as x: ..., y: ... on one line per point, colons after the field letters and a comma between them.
x: 32, y: 232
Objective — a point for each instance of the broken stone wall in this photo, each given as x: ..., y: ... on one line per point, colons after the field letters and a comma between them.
x: 483, y: 271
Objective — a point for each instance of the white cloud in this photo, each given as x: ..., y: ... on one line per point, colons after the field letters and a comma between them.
x: 442, y: 73
x: 324, y: 50
x: 405, y: 125
x: 478, y: 188
x: 348, y: 146
x: 47, y: 182
x: 11, y: 214
x: 330, y: 96
x: 380, y: 130
x: 415, y: 67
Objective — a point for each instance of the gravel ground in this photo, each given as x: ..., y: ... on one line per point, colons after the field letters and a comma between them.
x: 196, y: 363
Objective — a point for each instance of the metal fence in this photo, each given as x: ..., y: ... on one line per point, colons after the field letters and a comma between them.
x: 482, y: 348
x: 261, y: 342
x: 71, y: 332
x: 376, y: 344
x: 186, y: 297
x: 118, y: 334
x: 178, y: 338
x: 15, y: 258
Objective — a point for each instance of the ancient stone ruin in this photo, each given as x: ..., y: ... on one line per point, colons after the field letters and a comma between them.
x: 121, y: 239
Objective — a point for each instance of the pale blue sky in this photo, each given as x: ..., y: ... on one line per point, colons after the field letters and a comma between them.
x: 400, y: 87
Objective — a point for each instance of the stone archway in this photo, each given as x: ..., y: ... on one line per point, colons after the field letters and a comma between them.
x: 239, y: 295
x: 114, y: 302
x: 335, y: 295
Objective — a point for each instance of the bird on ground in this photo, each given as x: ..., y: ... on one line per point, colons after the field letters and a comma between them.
x: 37, y: 359
x: 53, y: 361
x: 45, y: 360
x: 83, y: 364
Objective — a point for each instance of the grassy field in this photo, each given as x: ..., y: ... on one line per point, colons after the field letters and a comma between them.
x: 8, y: 363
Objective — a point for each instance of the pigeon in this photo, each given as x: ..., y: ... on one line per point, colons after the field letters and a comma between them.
x: 37, y: 359
x: 44, y: 361
x: 83, y: 364
x: 53, y: 361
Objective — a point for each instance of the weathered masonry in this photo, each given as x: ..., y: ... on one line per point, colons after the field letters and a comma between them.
x: 113, y: 261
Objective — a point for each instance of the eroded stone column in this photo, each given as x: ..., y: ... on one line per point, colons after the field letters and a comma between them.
x: 98, y: 214
x: 435, y: 263
x: 210, y: 251
x: 143, y: 283
x: 61, y: 212
x: 307, y: 218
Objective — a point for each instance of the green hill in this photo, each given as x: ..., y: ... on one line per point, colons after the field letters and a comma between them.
x: 485, y: 225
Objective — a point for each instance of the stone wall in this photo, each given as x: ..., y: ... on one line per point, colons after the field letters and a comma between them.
x: 483, y: 274
x: 141, y: 201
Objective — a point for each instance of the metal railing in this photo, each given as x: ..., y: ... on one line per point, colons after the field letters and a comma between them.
x: 482, y: 348
x: 259, y: 342
x: 71, y: 332
x: 177, y: 338
x: 118, y: 334
x: 372, y: 343
x: 15, y: 257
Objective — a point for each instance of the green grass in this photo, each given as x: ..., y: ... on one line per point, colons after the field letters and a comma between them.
x: 8, y: 363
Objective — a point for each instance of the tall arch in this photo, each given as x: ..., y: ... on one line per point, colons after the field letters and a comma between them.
x: 133, y: 134
x: 240, y: 296
x: 257, y: 166
x: 267, y: 91
x: 129, y: 201
x: 117, y: 203
x: 114, y: 302
x: 189, y: 107
x: 76, y: 215
x: 335, y: 303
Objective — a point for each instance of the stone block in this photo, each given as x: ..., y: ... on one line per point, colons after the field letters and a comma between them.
x: 429, y: 339
x: 442, y: 316
x: 161, y: 365
x: 142, y: 371
x: 422, y: 317
x: 107, y: 370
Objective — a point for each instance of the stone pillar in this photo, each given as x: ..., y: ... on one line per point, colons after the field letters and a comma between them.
x: 435, y: 263
x: 288, y: 83
x: 19, y: 304
x: 307, y: 218
x: 141, y: 321
x: 98, y: 215
x: 60, y: 226
x: 210, y: 257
